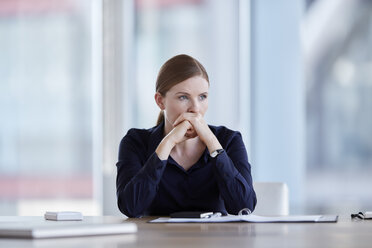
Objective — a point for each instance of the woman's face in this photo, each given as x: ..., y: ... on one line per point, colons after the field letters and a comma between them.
x: 190, y: 95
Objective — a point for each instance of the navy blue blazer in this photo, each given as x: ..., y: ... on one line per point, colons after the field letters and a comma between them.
x: 147, y: 185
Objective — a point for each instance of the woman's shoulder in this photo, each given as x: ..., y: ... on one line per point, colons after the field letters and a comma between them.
x: 136, y: 142
x: 141, y: 139
x: 139, y: 133
x: 230, y: 140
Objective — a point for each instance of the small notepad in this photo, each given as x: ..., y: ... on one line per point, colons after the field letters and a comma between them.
x: 63, y: 215
x: 368, y: 215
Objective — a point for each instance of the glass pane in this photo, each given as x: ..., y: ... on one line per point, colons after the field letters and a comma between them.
x: 205, y: 29
x: 339, y: 107
x: 46, y: 100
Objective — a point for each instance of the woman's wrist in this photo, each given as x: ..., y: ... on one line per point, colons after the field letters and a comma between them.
x: 213, y: 144
x: 164, y: 148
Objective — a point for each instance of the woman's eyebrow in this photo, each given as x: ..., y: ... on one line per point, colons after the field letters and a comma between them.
x: 182, y: 93
x: 185, y: 93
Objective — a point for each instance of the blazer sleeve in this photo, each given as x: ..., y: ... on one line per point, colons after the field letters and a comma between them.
x: 234, y: 179
x: 137, y: 179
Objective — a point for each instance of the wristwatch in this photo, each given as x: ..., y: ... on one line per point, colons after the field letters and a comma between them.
x: 216, y: 153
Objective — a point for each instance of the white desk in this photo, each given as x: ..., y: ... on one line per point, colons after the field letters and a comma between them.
x: 345, y: 233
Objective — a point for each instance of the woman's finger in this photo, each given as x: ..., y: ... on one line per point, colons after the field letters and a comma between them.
x: 184, y: 116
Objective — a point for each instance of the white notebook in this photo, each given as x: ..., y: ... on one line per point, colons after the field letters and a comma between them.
x: 35, y: 231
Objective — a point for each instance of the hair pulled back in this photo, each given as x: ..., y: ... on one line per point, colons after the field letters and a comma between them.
x: 176, y: 70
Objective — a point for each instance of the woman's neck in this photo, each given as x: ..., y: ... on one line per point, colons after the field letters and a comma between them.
x: 187, y: 145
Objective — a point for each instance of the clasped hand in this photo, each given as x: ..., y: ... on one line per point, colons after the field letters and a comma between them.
x: 190, y: 125
x: 187, y: 126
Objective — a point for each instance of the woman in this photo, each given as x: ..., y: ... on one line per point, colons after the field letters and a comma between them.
x: 182, y: 164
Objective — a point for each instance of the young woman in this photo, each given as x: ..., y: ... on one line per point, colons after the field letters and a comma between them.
x: 183, y: 164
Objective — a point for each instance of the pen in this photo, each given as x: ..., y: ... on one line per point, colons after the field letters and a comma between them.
x: 216, y: 214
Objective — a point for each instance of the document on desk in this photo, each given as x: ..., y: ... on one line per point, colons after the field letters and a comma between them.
x: 253, y: 219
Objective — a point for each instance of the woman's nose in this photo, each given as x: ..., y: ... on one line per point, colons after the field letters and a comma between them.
x: 194, y: 107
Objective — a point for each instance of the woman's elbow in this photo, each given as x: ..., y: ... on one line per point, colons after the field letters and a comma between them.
x: 252, y: 201
x: 129, y: 211
x: 249, y: 203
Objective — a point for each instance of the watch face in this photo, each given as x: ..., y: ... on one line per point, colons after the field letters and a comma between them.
x: 216, y: 152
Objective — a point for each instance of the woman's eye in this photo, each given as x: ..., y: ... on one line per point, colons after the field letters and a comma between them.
x: 182, y: 97
x: 203, y: 97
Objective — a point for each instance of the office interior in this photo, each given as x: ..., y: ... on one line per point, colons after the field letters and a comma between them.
x: 294, y: 77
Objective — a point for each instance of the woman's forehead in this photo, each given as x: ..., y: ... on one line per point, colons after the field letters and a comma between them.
x: 193, y: 84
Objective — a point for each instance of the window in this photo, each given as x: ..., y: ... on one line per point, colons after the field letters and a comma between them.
x: 49, y: 103
x: 339, y: 105
x: 205, y: 29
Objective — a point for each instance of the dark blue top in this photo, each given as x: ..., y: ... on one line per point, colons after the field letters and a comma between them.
x: 147, y: 185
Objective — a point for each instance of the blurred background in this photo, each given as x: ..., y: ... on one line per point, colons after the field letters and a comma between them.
x: 295, y: 77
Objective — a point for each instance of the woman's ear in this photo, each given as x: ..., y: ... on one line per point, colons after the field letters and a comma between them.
x: 159, y: 99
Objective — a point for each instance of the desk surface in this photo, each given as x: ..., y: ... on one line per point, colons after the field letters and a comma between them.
x: 345, y: 233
